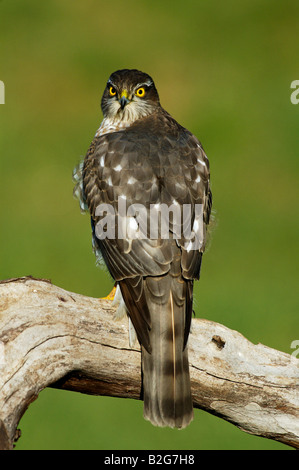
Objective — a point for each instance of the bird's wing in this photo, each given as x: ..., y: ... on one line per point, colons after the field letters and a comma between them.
x: 142, y: 168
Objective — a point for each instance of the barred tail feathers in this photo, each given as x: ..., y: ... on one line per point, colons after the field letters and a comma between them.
x: 166, y: 380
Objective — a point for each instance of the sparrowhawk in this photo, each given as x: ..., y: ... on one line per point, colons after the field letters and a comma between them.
x: 141, y: 157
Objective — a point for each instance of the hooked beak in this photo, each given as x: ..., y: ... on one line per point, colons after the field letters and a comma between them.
x: 123, y: 101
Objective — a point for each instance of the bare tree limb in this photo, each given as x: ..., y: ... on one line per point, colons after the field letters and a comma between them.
x: 51, y: 337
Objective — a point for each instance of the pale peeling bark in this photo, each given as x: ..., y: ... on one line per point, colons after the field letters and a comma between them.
x: 51, y: 337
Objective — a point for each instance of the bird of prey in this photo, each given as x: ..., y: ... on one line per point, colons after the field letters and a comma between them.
x: 141, y: 157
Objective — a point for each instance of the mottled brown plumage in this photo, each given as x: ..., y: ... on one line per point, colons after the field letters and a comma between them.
x: 141, y: 155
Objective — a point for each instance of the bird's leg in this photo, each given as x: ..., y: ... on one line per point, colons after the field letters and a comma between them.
x: 111, y: 295
x: 121, y: 311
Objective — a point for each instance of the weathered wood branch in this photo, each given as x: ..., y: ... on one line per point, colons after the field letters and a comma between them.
x: 51, y: 337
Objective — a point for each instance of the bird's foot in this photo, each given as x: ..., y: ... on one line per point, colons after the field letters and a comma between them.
x: 111, y: 295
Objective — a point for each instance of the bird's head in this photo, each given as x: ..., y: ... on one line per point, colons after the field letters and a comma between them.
x: 129, y: 95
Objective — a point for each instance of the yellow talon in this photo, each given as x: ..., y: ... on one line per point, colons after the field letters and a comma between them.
x: 111, y: 295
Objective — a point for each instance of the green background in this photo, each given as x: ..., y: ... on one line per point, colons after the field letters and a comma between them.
x: 223, y: 70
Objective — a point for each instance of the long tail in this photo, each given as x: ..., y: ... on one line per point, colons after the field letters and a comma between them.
x: 160, y: 309
x: 166, y: 380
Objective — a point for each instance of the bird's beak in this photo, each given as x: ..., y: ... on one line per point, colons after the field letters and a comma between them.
x: 124, y: 100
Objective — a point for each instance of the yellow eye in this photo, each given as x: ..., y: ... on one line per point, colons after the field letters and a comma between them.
x: 140, y: 92
x: 112, y: 91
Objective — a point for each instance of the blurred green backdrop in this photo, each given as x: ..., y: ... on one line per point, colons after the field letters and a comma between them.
x: 223, y: 70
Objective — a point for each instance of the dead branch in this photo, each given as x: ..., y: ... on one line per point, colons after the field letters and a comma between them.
x: 51, y: 337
